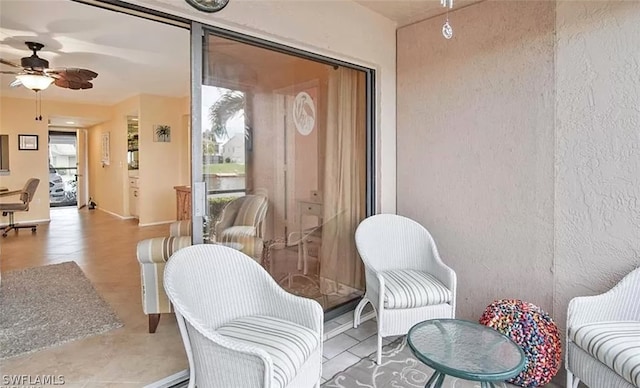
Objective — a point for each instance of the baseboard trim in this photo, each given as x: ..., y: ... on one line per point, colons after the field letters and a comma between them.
x: 156, y: 223
x: 115, y: 214
x: 175, y: 380
x: 38, y: 222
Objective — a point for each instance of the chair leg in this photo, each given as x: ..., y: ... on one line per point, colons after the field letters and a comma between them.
x: 154, y: 319
x: 358, y: 311
x: 305, y: 257
x: 379, y: 352
x: 572, y: 381
x: 13, y: 226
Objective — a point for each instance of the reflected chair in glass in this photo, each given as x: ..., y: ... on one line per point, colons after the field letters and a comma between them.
x: 239, y: 327
x: 242, y: 224
x: 406, y: 281
x: 25, y: 195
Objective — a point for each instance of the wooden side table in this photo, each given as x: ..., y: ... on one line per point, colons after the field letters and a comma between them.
x: 183, y: 202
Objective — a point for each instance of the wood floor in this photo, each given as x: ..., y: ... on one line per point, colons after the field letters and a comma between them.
x: 104, y: 247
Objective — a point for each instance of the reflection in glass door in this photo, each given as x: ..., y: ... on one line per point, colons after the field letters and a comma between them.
x: 284, y: 164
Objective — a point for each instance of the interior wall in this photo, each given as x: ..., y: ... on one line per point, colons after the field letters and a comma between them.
x: 17, y: 117
x: 160, y: 162
x: 357, y: 35
x: 108, y: 183
x: 475, y: 135
x: 597, y: 147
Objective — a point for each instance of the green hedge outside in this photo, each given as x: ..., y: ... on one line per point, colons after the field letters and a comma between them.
x: 216, y: 205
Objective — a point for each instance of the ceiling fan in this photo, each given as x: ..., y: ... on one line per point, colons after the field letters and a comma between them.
x: 36, y: 75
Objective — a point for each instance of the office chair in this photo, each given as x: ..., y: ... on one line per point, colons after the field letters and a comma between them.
x: 8, y: 208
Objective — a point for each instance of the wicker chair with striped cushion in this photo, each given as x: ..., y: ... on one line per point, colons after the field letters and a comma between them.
x: 406, y: 281
x: 239, y: 327
x: 603, y: 337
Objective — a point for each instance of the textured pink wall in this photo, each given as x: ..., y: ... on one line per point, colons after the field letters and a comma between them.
x: 475, y: 147
x: 597, y: 201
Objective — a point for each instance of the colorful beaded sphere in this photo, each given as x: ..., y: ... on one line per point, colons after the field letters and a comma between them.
x: 534, y: 331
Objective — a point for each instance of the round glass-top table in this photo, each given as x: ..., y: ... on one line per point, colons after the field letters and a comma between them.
x: 466, y: 350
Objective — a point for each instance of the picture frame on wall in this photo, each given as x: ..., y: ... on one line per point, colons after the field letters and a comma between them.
x: 162, y: 133
x: 106, y: 152
x: 28, y: 142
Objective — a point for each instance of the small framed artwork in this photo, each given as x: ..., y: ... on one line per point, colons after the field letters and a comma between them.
x: 106, y: 152
x: 162, y: 133
x: 28, y: 142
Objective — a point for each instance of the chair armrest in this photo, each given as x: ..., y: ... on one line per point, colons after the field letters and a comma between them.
x: 10, y: 193
x: 236, y: 363
x: 160, y: 249
x: 303, y: 311
x: 618, y: 304
x: 180, y: 228
x: 444, y: 274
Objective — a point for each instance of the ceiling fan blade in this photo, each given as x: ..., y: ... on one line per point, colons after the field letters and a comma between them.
x: 72, y: 84
x: 5, y: 62
x: 8, y: 72
x: 74, y: 74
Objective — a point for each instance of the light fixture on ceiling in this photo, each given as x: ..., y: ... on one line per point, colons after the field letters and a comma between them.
x: 35, y: 82
x: 70, y: 122
x: 447, y: 30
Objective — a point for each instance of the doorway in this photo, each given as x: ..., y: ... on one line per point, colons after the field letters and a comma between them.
x: 63, y: 169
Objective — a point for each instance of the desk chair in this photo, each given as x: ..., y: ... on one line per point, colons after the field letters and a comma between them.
x: 8, y: 208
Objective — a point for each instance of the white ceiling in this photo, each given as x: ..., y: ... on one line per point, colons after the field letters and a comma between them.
x: 131, y: 55
x: 405, y: 12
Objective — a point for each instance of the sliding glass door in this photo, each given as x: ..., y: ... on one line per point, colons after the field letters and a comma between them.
x: 282, y: 165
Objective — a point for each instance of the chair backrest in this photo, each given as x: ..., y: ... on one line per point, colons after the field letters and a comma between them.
x: 389, y: 241
x: 211, y: 284
x: 29, y: 190
x: 252, y: 212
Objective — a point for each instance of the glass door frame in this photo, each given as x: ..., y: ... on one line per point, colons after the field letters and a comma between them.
x: 198, y: 189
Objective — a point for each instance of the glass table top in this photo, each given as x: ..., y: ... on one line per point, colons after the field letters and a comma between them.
x: 466, y: 350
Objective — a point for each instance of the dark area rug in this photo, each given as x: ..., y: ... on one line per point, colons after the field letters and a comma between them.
x: 47, y: 306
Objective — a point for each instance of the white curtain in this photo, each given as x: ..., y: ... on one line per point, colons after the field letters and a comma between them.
x: 341, y: 269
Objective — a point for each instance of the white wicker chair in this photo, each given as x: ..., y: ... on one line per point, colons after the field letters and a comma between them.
x: 603, y: 337
x: 239, y: 327
x: 398, y: 253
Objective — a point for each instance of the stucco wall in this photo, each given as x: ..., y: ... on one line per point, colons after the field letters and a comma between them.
x: 526, y: 130
x: 597, y: 218
x: 340, y: 29
x: 475, y: 147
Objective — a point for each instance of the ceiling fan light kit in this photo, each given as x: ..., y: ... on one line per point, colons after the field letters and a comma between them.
x: 35, y: 82
x: 34, y: 73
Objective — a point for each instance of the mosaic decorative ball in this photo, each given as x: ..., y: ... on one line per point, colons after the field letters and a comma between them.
x: 534, y: 331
